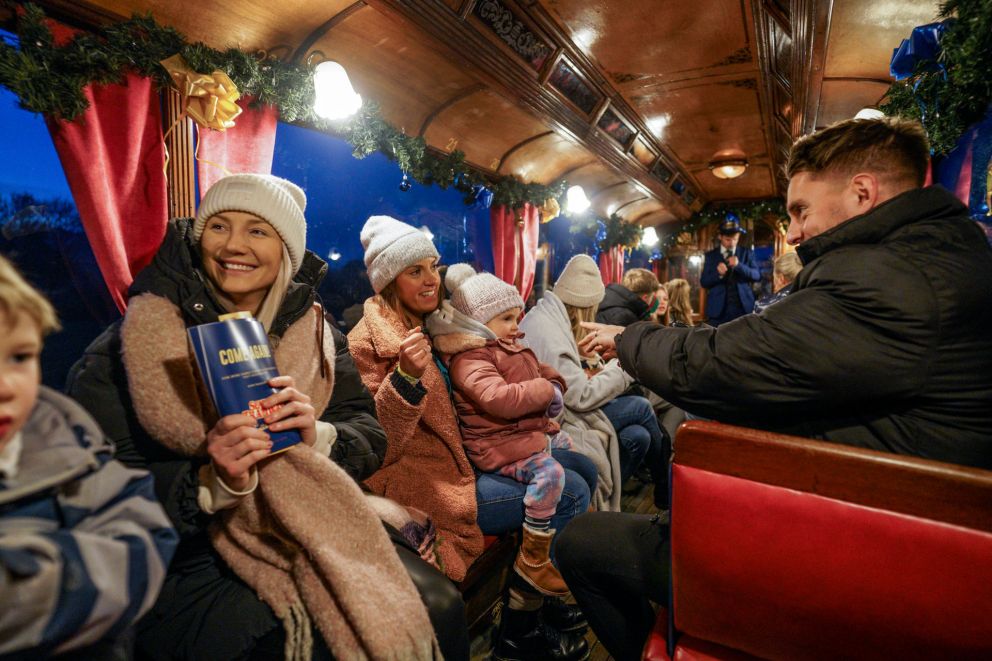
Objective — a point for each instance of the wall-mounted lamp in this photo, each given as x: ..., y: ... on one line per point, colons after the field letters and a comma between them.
x: 728, y: 168
x: 427, y: 232
x: 334, y: 97
x: 695, y: 260
x: 649, y: 237
x: 576, y: 201
x: 869, y: 113
x: 334, y: 255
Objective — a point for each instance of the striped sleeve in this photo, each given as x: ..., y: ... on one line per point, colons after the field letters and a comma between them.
x: 92, y: 575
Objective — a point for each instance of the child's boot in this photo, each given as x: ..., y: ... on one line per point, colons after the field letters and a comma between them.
x: 534, y: 563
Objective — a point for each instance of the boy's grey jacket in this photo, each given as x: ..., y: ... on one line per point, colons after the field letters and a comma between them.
x: 84, y: 544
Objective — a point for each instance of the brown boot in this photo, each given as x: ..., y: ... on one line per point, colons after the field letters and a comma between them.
x: 534, y: 564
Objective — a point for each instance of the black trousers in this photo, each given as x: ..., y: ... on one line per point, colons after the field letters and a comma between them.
x: 206, y: 612
x: 616, y: 564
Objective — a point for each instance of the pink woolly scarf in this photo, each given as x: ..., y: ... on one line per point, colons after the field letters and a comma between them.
x: 306, y: 540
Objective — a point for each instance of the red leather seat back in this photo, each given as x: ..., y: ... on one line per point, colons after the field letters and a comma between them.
x: 780, y: 573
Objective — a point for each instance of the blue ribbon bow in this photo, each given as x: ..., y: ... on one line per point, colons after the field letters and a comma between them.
x: 923, y: 45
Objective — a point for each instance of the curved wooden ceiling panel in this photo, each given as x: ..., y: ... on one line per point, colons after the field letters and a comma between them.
x: 661, y: 217
x: 248, y: 24
x: 545, y: 159
x: 637, y: 41
x: 396, y: 67
x: 484, y: 125
x: 757, y: 176
x: 863, y: 34
x: 607, y: 199
x: 640, y: 208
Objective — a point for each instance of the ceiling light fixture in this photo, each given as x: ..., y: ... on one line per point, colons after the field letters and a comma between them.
x: 649, y: 237
x: 728, y: 168
x: 869, y: 113
x: 334, y: 97
x: 576, y: 201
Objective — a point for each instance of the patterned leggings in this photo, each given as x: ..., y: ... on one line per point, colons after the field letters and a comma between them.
x: 545, y: 479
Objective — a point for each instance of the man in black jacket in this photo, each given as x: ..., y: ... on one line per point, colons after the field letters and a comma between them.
x: 632, y: 300
x: 884, y: 343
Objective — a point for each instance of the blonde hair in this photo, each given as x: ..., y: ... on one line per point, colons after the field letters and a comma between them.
x: 640, y: 281
x: 579, y: 315
x: 17, y: 297
x: 679, y: 305
x: 787, y: 266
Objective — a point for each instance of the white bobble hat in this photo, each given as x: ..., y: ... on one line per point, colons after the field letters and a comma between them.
x: 481, y: 296
x: 580, y: 283
x: 390, y: 246
x: 277, y: 201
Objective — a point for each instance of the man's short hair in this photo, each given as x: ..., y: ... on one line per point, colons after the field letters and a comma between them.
x: 893, y: 147
x: 17, y: 297
x: 640, y: 281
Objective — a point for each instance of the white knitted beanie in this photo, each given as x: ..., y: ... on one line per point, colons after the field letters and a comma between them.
x: 277, y: 201
x: 580, y: 284
x: 481, y: 296
x: 391, y: 246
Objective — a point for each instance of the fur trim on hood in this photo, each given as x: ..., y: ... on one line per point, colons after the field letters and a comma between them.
x: 453, y: 332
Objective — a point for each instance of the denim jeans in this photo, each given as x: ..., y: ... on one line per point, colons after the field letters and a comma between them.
x: 501, y: 499
x: 641, y: 439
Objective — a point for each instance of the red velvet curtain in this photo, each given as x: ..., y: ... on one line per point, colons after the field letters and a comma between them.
x: 248, y: 147
x: 113, y: 157
x: 611, y: 265
x: 515, y: 245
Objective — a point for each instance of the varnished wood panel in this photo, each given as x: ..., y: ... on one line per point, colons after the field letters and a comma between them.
x: 391, y: 64
x: 758, y: 176
x: 863, y: 34
x: 842, y: 99
x: 248, y: 24
x: 484, y: 126
x: 546, y: 159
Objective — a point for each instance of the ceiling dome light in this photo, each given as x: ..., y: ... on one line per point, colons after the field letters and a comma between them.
x: 728, y: 168
x: 334, y: 97
x: 576, y: 201
x: 869, y: 113
x: 650, y: 237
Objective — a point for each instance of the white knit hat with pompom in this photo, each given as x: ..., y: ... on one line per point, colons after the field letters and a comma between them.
x: 481, y: 296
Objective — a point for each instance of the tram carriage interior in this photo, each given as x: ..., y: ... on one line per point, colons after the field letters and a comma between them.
x: 516, y: 134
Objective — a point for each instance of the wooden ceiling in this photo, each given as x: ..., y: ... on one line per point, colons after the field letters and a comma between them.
x: 629, y: 98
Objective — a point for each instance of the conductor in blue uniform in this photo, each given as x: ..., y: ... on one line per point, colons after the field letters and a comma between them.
x: 727, y: 275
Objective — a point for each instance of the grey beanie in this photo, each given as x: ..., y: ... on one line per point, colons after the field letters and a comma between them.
x: 277, y: 201
x: 580, y: 284
x: 390, y: 246
x: 481, y: 296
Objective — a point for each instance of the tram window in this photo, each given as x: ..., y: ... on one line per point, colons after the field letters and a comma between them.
x: 342, y: 192
x: 41, y: 234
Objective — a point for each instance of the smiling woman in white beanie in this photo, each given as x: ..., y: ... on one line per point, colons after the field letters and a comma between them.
x: 230, y: 592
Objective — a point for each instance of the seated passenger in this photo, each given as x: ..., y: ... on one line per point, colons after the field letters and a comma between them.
x: 635, y: 298
x: 261, y: 537
x: 425, y: 464
x: 506, y: 402
x: 884, y: 343
x: 784, y: 271
x: 83, y: 543
x: 617, y: 433
x: 679, y: 304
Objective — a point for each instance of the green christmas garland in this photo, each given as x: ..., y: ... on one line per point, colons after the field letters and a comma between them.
x: 749, y: 213
x: 949, y: 100
x: 49, y: 79
x: 620, y: 234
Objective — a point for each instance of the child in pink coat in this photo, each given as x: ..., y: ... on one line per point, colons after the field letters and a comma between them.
x: 507, y: 402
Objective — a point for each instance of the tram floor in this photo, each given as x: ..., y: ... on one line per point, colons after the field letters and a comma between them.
x: 637, y: 497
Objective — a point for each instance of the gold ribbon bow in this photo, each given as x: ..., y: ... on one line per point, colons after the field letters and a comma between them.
x: 549, y: 210
x: 207, y: 98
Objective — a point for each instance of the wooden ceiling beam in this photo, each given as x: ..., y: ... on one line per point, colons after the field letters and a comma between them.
x: 300, y: 54
x: 460, y: 95
x: 513, y: 79
x: 523, y: 143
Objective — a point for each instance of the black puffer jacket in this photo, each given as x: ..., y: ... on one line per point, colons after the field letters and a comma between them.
x: 98, y: 382
x: 885, y: 342
x: 620, y: 307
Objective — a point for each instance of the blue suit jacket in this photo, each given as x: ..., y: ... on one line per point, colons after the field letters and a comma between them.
x: 745, y: 273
